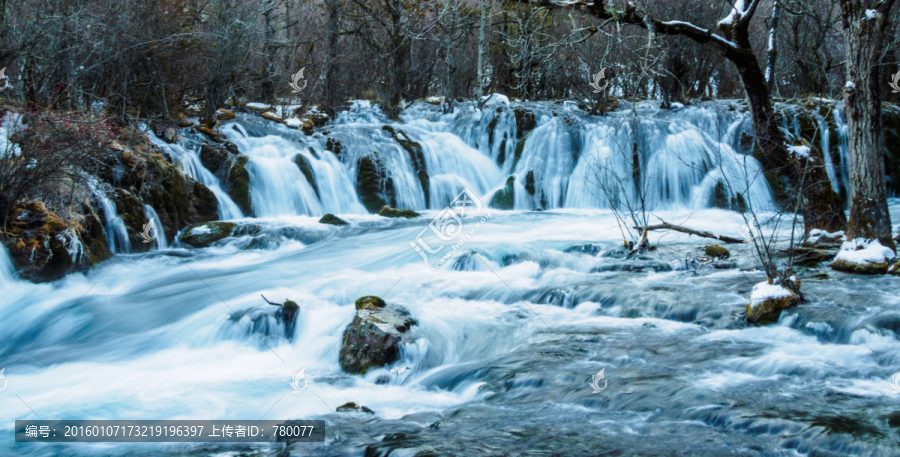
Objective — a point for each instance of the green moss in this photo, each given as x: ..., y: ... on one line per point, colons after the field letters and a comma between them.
x: 520, y: 147
x: 717, y: 252
x: 370, y: 302
x: 387, y: 211
x: 529, y: 182
x: 505, y: 198
x: 370, y: 182
x: 306, y: 169
x: 239, y: 184
x: 332, y: 220
x: 416, y: 156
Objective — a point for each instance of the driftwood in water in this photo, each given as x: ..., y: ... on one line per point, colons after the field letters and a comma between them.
x: 678, y: 228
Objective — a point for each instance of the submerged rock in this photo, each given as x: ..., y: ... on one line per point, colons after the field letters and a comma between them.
x: 207, y: 233
x: 374, y: 336
x: 306, y: 168
x: 387, y: 211
x: 332, y: 220
x: 373, y: 185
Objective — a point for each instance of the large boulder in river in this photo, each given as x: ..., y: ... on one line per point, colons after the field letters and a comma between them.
x: 203, y: 235
x: 387, y: 211
x: 374, y: 336
x: 505, y: 197
x: 239, y: 184
x: 331, y: 219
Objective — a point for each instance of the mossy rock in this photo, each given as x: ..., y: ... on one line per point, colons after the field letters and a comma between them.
x: 225, y: 114
x: 716, y: 252
x: 505, y: 198
x: 370, y: 302
x: 306, y: 168
x: 860, y: 269
x: 374, y: 336
x: 207, y: 233
x: 210, y: 133
x: 272, y: 117
x: 520, y: 148
x: 131, y: 210
x: 770, y: 309
x: 331, y: 219
x: 529, y: 182
x: 371, y: 183
x: 239, y: 184
x: 387, y: 211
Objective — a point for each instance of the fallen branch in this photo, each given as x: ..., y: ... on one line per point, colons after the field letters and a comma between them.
x: 678, y: 228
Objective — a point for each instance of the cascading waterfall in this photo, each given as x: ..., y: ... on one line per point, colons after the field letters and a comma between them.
x: 159, y: 235
x: 7, y: 271
x: 190, y: 162
x: 116, y: 233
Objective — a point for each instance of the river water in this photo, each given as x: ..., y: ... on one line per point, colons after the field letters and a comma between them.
x: 510, y: 329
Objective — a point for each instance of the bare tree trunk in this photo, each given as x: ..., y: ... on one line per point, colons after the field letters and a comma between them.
x: 268, y: 85
x: 772, y: 51
x: 334, y: 31
x: 864, y: 25
x: 480, y: 95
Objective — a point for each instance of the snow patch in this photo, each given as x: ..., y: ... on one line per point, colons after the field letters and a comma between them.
x: 496, y: 100
x: 764, y: 291
x: 861, y: 252
x: 254, y: 105
x: 816, y: 234
x: 871, y: 14
x: 850, y: 85
x: 800, y: 151
x: 202, y: 230
x: 292, y: 122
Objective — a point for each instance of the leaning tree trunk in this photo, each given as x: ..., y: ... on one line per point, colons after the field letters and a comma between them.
x: 806, y: 176
x: 334, y: 30
x: 864, y: 24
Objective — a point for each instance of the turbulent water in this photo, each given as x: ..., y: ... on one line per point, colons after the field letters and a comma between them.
x: 510, y: 328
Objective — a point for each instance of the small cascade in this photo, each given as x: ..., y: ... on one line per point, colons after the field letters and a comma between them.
x: 7, y: 271
x: 190, y: 162
x: 116, y: 233
x: 159, y: 236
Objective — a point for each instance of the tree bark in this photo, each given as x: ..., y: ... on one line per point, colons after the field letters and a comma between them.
x: 689, y: 231
x: 864, y: 24
x: 334, y: 30
x: 805, y: 177
x: 480, y: 94
x: 772, y: 51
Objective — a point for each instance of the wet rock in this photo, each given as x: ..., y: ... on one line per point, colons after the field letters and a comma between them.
x: 205, y: 234
x: 529, y: 182
x: 185, y: 122
x: 306, y: 168
x: 170, y: 135
x: 210, y: 133
x: 416, y: 157
x: 307, y: 126
x: 351, y: 407
x: 387, y: 211
x: 131, y: 210
x: 318, y: 119
x: 333, y: 145
x: 216, y: 159
x: 525, y: 121
x: 716, y: 252
x: 332, y: 220
x: 373, y: 185
x: 374, y: 336
x: 232, y: 148
x: 869, y: 268
x: 239, y: 184
x: 504, y: 198
x: 225, y: 114
x: 269, y: 116
x: 767, y: 301
x: 589, y: 249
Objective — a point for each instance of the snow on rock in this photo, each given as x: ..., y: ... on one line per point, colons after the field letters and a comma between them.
x: 767, y: 301
x: 258, y: 106
x: 496, y: 100
x: 293, y: 123
x: 850, y: 85
x: 800, y: 151
x: 863, y: 257
x: 676, y: 105
x: 434, y: 100
x: 815, y: 235
x: 871, y: 14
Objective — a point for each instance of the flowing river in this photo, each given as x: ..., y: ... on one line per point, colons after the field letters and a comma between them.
x: 510, y: 328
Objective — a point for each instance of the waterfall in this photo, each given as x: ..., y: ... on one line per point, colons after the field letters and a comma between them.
x: 7, y: 271
x: 158, y: 233
x: 116, y: 233
x: 190, y: 162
